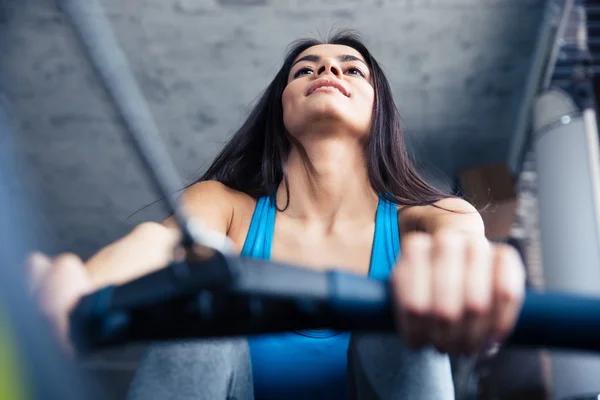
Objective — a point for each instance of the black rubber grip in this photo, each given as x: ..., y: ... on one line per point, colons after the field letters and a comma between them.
x: 268, y: 297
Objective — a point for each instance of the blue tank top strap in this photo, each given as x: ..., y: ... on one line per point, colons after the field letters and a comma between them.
x: 386, y: 242
x: 259, y: 239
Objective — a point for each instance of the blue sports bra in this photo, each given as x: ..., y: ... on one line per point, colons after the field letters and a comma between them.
x: 310, y: 364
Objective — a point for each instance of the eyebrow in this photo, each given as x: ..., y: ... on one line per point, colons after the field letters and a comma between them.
x: 342, y: 58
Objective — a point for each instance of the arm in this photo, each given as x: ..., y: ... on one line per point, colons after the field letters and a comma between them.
x: 150, y: 245
x: 58, y: 283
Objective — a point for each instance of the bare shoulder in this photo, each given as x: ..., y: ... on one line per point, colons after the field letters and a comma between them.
x: 214, y: 203
x: 207, y: 190
x: 448, y: 213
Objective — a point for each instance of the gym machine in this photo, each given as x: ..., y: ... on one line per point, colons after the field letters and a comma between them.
x: 197, y: 295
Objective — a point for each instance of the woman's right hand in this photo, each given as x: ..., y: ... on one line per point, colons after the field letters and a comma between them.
x: 58, y: 284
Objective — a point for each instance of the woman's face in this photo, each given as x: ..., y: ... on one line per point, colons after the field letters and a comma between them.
x: 328, y: 85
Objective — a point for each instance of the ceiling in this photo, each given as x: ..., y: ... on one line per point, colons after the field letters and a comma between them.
x: 457, y: 67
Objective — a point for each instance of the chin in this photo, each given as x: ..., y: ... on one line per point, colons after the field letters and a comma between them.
x: 326, y: 123
x: 325, y: 110
x: 322, y: 115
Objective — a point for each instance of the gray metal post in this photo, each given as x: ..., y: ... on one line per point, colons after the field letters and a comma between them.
x: 568, y: 166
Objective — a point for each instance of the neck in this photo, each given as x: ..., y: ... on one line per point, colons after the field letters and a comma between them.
x: 328, y: 181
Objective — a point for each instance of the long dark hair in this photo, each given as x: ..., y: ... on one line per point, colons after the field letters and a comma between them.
x: 254, y: 159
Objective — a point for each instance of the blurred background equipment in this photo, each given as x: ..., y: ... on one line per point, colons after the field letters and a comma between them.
x: 554, y: 157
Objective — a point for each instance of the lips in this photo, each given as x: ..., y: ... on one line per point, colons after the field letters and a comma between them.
x: 327, y: 83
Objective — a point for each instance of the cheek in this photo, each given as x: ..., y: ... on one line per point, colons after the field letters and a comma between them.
x: 286, y: 104
x: 288, y: 99
x: 370, y: 97
x: 365, y: 115
x: 290, y: 110
x: 367, y: 100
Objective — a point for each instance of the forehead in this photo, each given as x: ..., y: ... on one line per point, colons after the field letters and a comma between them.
x: 330, y: 50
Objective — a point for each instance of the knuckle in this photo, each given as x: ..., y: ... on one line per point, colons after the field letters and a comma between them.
x: 415, y: 309
x: 66, y: 260
x: 36, y: 266
x: 508, y: 294
x: 506, y: 254
x: 447, y: 316
x: 416, y: 241
x: 478, y: 246
x: 477, y: 308
x: 35, y: 258
x: 447, y: 241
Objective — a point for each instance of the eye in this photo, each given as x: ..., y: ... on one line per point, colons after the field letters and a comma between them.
x: 355, y: 71
x: 303, y: 71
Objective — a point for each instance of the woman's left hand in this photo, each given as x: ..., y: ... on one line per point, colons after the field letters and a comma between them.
x: 456, y: 291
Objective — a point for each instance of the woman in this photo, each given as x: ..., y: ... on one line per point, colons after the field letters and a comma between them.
x: 318, y: 176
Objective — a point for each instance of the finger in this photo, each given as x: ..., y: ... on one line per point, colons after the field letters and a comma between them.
x: 447, y: 264
x: 37, y: 266
x: 412, y: 288
x: 66, y: 282
x: 478, y: 295
x: 509, y: 290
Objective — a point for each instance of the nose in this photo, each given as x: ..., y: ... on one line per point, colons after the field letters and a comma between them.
x: 329, y: 66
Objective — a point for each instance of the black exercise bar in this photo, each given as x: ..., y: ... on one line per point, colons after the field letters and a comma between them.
x: 268, y: 297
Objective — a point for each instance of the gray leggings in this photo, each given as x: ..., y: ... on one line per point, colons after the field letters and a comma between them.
x: 380, y: 367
